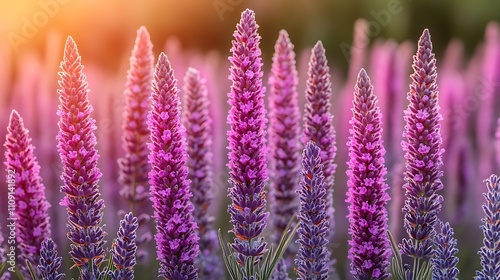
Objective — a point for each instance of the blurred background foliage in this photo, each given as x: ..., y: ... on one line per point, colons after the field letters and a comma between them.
x: 101, y: 26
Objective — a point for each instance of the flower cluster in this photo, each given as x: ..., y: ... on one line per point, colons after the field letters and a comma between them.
x: 176, y: 239
x: 312, y: 258
x: 81, y: 175
x: 445, y: 261
x: 490, y: 252
x: 367, y: 196
x: 197, y: 122
x: 32, y: 225
x: 49, y: 261
x: 124, y: 249
x: 422, y: 145
x: 247, y: 150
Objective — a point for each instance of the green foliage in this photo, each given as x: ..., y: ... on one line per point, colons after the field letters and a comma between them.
x: 262, y: 270
x: 398, y: 268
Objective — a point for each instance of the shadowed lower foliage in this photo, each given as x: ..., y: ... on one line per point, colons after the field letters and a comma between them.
x: 176, y: 239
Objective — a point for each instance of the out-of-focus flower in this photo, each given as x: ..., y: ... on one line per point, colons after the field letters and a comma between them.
x: 197, y: 122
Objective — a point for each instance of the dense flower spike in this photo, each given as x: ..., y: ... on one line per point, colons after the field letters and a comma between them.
x: 49, y: 261
x: 125, y: 249
x: 312, y: 258
x: 318, y: 123
x: 247, y: 149
x: 176, y: 240
x: 367, y: 195
x: 284, y: 135
x: 81, y: 175
x: 134, y: 165
x: 32, y: 225
x: 445, y: 262
x: 490, y: 252
x: 197, y: 122
x: 422, y: 145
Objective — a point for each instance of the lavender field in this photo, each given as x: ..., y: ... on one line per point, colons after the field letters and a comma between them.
x: 236, y: 164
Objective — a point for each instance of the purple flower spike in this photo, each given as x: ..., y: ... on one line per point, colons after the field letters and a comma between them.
x: 318, y: 124
x: 49, y: 261
x: 490, y: 252
x: 134, y: 165
x: 81, y: 175
x: 423, y: 155
x: 367, y: 195
x: 445, y: 262
x: 247, y: 149
x: 284, y: 134
x: 176, y: 239
x: 32, y: 225
x: 312, y: 259
x: 125, y: 249
x: 197, y: 122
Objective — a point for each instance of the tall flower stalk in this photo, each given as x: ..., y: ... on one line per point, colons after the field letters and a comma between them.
x: 197, y: 122
x: 367, y: 195
x: 247, y: 149
x: 312, y: 259
x: 49, y: 261
x: 32, y: 224
x: 490, y: 252
x: 124, y: 249
x: 284, y: 135
x: 76, y: 147
x: 318, y: 123
x: 176, y: 239
x: 134, y: 166
x: 423, y: 156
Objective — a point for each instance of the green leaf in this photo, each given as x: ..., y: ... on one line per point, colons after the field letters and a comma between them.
x: 232, y: 265
x: 31, y: 270
x: 397, y: 261
x: 425, y: 272
x: 2, y: 268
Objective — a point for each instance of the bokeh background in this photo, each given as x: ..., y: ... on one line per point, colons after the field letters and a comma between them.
x: 199, y: 32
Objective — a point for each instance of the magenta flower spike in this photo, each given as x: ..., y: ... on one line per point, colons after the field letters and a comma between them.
x: 247, y: 142
x: 176, y: 239
x: 197, y: 122
x: 422, y: 146
x: 134, y: 166
x: 284, y: 135
x: 76, y: 147
x: 125, y: 249
x: 318, y: 123
x: 313, y: 257
x: 367, y: 195
x: 31, y: 209
x: 49, y: 261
